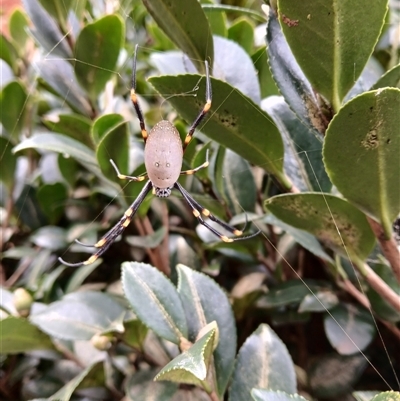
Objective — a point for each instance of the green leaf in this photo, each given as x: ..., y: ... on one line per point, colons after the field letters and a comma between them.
x: 326, y: 216
x: 96, y: 51
x: 263, y: 362
x: 45, y: 30
x: 186, y: 25
x: 349, y: 329
x: 79, y: 316
x: 134, y: 333
x: 18, y: 25
x: 320, y: 301
x: 288, y: 293
x: 291, y: 81
x: 234, y: 121
x: 18, y: 335
x: 52, y: 199
x: 322, y: 38
x: 8, y: 162
x: 114, y: 145
x: 239, y: 187
x: 390, y: 78
x: 79, y: 276
x: 191, y: 366
x: 371, y: 153
x: 269, y: 395
x: 267, y: 84
x: 49, y: 237
x: 141, y: 387
x: 379, y: 305
x: 147, y: 241
x: 217, y: 20
x: 334, y: 375
x: 303, y: 150
x: 387, y: 396
x: 7, y: 52
x: 242, y: 32
x: 58, y: 9
x: 87, y: 378
x: 305, y: 239
x: 75, y: 126
x: 13, y: 99
x: 67, y: 146
x: 59, y: 75
x: 204, y: 301
x: 154, y: 300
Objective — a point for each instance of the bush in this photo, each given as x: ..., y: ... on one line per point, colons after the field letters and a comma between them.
x: 303, y: 137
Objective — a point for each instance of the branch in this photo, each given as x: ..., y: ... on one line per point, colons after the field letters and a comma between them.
x: 388, y: 246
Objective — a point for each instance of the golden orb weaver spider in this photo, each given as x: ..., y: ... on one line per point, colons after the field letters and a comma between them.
x: 163, y: 157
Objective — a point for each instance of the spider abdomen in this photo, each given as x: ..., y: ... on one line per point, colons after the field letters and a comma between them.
x: 163, y: 155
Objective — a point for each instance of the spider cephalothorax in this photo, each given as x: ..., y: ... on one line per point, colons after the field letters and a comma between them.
x: 163, y: 157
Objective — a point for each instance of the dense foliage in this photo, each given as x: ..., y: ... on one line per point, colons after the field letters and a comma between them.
x: 304, y: 143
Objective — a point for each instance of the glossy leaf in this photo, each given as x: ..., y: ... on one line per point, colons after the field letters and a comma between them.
x: 325, y: 216
x: 154, y: 300
x: 75, y: 126
x: 18, y: 335
x: 46, y: 31
x: 239, y: 188
x: 114, y: 145
x: 217, y: 20
x: 320, y: 301
x: 204, y: 302
x: 242, y: 75
x: 186, y: 25
x: 269, y: 395
x: 80, y: 315
x: 242, y: 32
x: 191, y: 366
x: 141, y: 387
x: 263, y: 362
x: 303, y: 150
x: 59, y: 75
x: 67, y: 146
x: 390, y: 78
x: 334, y: 375
x: 349, y: 329
x: 234, y: 121
x: 291, y: 81
x: 94, y: 68
x: 13, y: 99
x: 8, y: 162
x: 322, y: 38
x: 371, y: 153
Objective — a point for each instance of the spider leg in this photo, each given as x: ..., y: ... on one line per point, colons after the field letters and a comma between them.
x: 203, y: 112
x: 106, y: 240
x: 192, y: 171
x: 127, y: 177
x: 135, y: 100
x: 199, y: 210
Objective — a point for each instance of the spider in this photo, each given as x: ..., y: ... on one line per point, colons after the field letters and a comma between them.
x: 163, y: 156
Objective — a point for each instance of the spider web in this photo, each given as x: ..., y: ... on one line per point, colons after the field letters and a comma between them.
x: 108, y: 100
